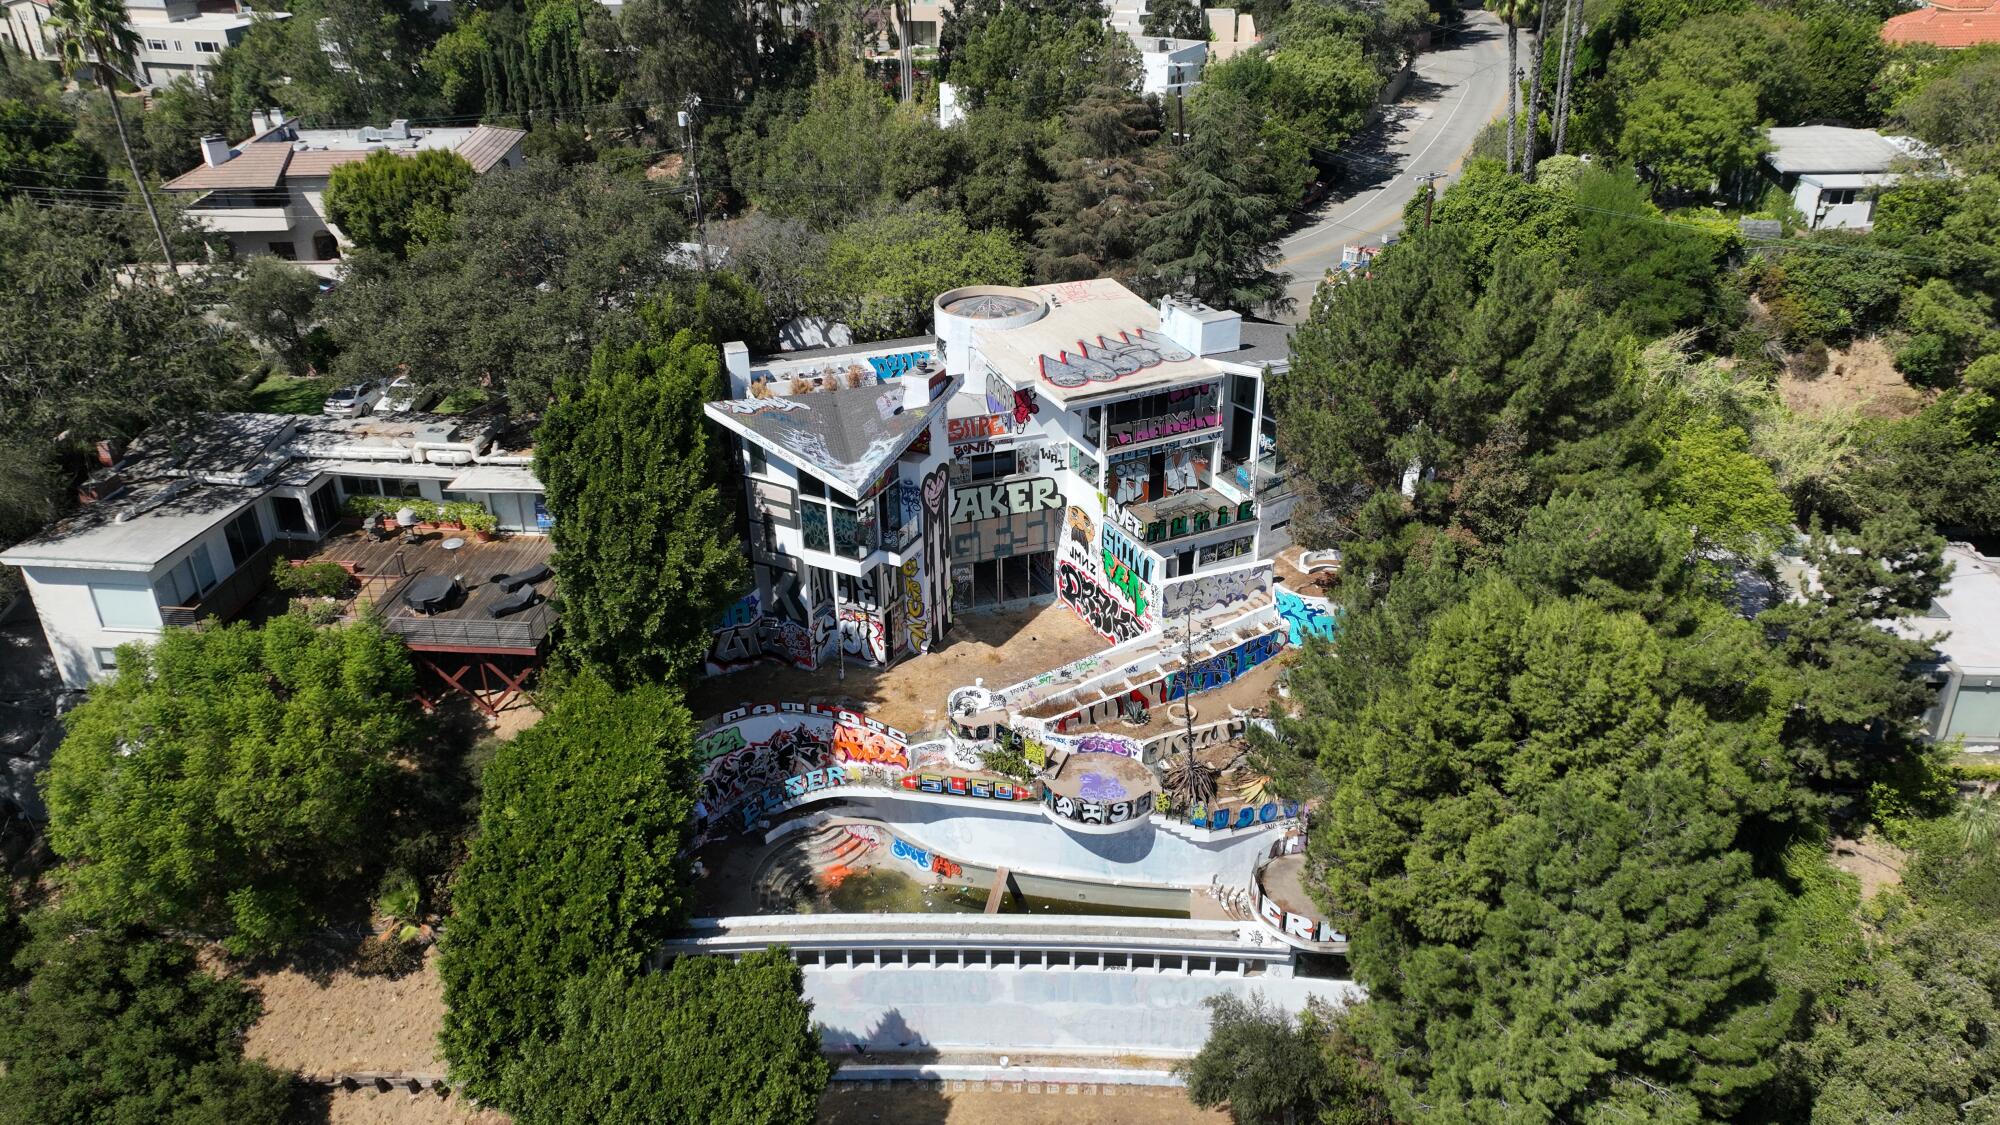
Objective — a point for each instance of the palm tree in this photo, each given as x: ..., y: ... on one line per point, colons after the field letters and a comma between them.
x: 1510, y: 11
x: 1535, y: 90
x: 94, y: 34
x: 1572, y: 31
x: 1978, y: 822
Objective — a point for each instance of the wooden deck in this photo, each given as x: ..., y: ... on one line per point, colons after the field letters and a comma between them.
x: 386, y: 568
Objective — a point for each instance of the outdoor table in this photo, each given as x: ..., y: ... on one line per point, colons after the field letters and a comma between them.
x: 428, y: 594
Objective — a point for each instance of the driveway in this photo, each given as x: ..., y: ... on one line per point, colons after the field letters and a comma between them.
x: 1456, y: 90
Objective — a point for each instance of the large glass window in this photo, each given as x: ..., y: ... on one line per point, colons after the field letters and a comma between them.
x: 291, y: 514
x: 1976, y: 713
x: 326, y: 507
x: 246, y: 535
x: 125, y: 607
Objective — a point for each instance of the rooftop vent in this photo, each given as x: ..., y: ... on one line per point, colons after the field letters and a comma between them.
x: 399, y: 129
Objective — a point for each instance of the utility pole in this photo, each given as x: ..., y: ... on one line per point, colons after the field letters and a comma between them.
x: 1187, y: 677
x: 1430, y: 180
x: 690, y: 108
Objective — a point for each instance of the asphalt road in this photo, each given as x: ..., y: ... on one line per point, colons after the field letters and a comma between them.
x: 1457, y: 89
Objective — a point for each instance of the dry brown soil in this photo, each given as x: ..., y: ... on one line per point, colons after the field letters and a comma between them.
x: 1860, y: 377
x: 1876, y: 862
x: 349, y: 1023
x: 1003, y: 648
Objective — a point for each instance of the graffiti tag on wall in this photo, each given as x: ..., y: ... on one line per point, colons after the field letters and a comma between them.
x: 981, y: 787
x: 1223, y: 668
x: 1295, y: 925
x: 1098, y: 812
x: 1111, y: 358
x: 863, y: 636
x: 1097, y: 606
x: 1305, y: 617
x: 979, y: 426
x: 926, y: 860
x: 1199, y: 593
x: 1004, y: 498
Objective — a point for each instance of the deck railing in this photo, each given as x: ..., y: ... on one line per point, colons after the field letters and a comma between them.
x: 227, y: 596
x: 524, y: 631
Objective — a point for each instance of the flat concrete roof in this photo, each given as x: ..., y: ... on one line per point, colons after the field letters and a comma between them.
x: 1098, y: 340
x: 1970, y: 604
x: 136, y: 528
x: 1829, y: 148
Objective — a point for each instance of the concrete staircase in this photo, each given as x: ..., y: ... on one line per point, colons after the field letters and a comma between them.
x: 789, y: 875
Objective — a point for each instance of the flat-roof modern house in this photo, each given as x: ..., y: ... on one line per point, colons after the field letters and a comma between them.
x: 1058, y: 442
x: 186, y: 526
x: 1833, y: 174
x: 264, y: 196
x: 1966, y: 670
x: 177, y: 38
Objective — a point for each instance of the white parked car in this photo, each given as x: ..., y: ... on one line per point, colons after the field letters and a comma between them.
x: 402, y: 396
x: 354, y: 401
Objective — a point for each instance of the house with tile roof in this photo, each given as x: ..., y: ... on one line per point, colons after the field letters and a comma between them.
x: 1951, y: 24
x: 265, y: 196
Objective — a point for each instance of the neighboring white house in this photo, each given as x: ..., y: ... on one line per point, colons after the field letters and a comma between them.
x: 1833, y: 174
x: 264, y: 195
x: 1967, y: 669
x: 1044, y: 442
x: 188, y: 521
x: 1169, y: 66
x: 177, y: 38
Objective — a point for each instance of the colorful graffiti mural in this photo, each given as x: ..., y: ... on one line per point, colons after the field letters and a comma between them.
x: 1089, y: 808
x: 864, y: 636
x: 1100, y: 608
x: 979, y: 426
x: 1306, y: 617
x: 1237, y: 817
x: 924, y: 859
x: 860, y: 745
x: 1199, y: 593
x: 1223, y: 668
x: 981, y: 787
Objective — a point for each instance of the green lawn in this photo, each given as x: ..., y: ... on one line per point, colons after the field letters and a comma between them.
x: 289, y: 394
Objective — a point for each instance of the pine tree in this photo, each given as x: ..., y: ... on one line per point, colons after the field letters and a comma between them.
x: 645, y: 553
x: 1220, y: 230
x: 1110, y: 177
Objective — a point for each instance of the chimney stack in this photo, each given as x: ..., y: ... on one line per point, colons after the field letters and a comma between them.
x: 736, y: 360
x: 214, y: 150
x: 260, y: 122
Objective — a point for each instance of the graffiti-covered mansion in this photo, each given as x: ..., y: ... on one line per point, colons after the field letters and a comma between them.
x: 1066, y: 441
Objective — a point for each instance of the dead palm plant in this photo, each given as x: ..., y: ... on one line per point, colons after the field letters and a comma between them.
x: 1189, y: 782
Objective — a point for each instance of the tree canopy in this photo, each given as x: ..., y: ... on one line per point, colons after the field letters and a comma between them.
x: 391, y: 201
x: 708, y: 1040
x: 575, y: 870
x: 644, y: 546
x: 112, y: 1025
x: 227, y: 779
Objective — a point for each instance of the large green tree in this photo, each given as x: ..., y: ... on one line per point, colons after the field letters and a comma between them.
x: 228, y: 779
x: 1223, y: 212
x: 1110, y: 176
x: 1535, y: 844
x: 114, y: 1026
x: 708, y: 1040
x: 881, y: 273
x: 575, y: 870
x: 540, y: 265
x: 645, y: 552
x: 393, y: 201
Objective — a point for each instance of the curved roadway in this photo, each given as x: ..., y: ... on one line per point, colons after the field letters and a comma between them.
x: 1457, y: 89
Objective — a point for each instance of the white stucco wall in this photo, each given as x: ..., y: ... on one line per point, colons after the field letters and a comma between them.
x: 69, y: 617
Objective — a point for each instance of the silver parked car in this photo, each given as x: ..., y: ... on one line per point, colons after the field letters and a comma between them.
x: 354, y: 401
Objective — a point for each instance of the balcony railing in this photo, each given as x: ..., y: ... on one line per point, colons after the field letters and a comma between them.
x: 227, y: 596
x: 1190, y: 513
x: 1266, y: 475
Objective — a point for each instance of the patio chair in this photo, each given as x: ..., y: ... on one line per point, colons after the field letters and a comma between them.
x: 513, y: 603
x: 520, y: 578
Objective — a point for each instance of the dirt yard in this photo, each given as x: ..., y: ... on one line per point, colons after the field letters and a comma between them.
x: 349, y: 1023
x: 1873, y: 860
x: 1860, y: 377
x: 958, y: 1103
x: 1001, y: 648
x: 366, y: 1107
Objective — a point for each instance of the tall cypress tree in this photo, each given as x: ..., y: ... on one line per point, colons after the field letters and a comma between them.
x: 645, y: 554
x: 1218, y: 235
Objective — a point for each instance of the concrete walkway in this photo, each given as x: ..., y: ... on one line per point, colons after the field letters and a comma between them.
x: 1042, y: 1010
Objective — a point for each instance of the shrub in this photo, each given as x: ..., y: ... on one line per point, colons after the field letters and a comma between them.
x: 320, y: 579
